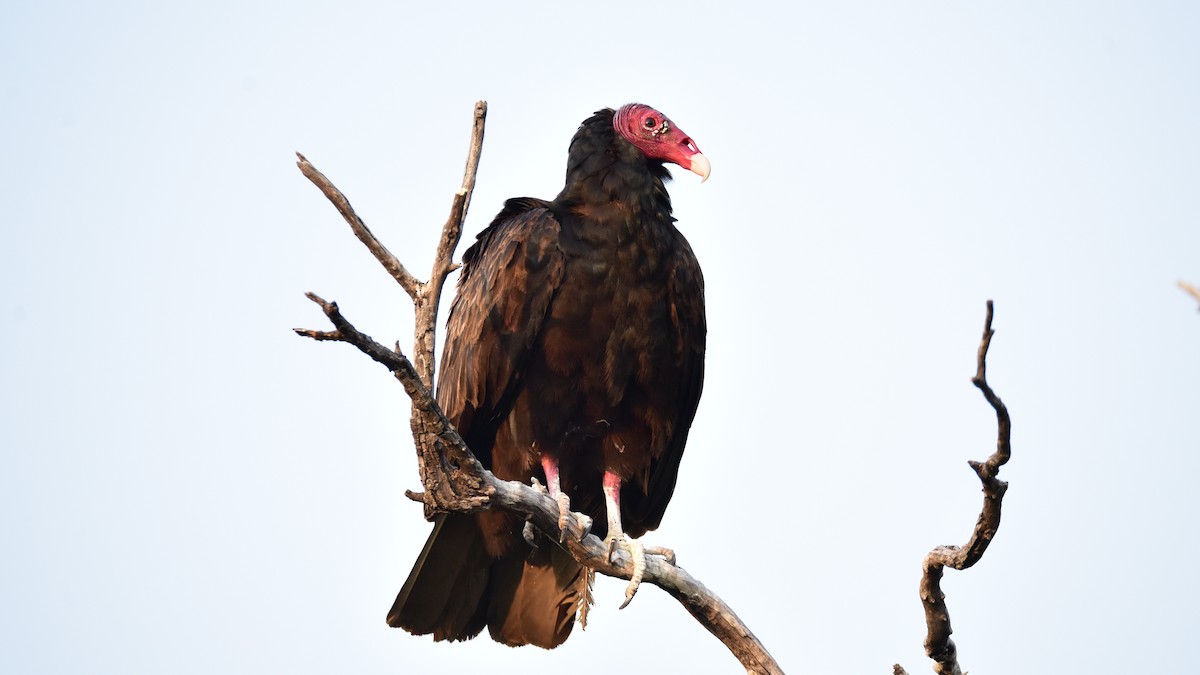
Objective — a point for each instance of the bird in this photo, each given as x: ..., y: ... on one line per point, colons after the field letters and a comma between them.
x: 574, y: 355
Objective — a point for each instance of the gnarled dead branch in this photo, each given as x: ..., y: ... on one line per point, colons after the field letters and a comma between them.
x: 453, y: 479
x: 938, y: 645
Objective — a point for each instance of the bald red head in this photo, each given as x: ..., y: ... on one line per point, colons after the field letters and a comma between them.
x: 658, y: 137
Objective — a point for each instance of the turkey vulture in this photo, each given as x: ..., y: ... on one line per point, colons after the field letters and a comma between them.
x: 575, y: 355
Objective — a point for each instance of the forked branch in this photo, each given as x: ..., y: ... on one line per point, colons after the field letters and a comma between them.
x: 452, y: 478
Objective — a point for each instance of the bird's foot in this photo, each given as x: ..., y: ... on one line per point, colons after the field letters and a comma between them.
x: 529, y: 532
x: 537, y: 485
x: 564, y: 518
x: 637, y: 555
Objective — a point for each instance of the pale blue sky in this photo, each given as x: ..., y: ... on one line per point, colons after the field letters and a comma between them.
x: 186, y: 487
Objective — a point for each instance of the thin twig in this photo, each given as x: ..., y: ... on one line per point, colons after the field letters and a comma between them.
x: 938, y: 645
x: 1191, y: 290
x: 385, y: 257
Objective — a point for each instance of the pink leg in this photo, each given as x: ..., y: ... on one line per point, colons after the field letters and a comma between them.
x: 554, y: 487
x: 550, y: 466
x: 617, y: 541
x: 612, y: 504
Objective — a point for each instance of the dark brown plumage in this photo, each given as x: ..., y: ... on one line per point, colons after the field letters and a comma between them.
x: 574, y: 354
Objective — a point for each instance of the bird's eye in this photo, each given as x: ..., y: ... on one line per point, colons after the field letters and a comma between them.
x: 650, y: 123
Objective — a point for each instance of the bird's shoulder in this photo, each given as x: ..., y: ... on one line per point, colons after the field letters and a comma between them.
x: 522, y: 220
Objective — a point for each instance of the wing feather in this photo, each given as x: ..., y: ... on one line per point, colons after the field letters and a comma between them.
x: 509, y: 278
x: 685, y: 292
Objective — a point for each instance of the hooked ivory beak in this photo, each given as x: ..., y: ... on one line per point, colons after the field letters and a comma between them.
x: 700, y: 166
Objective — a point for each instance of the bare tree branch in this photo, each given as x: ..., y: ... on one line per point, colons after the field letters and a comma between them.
x: 453, y: 479
x: 938, y: 645
x: 1191, y: 290
x: 443, y: 264
x: 426, y: 297
x: 385, y: 257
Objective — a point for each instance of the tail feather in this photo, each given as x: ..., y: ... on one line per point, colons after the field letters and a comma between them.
x: 534, y: 601
x: 456, y: 588
x: 443, y: 592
